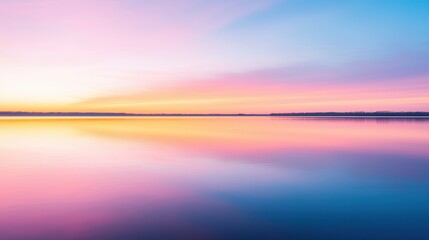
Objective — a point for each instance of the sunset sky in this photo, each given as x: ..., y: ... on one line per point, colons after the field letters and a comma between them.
x: 214, y: 56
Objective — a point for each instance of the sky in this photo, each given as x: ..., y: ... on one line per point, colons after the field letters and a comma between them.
x: 214, y: 56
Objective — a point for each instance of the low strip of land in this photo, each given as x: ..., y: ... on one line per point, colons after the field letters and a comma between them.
x: 354, y: 114
x: 293, y: 114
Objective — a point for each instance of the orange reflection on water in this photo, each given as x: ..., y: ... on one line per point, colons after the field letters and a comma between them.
x: 260, y: 134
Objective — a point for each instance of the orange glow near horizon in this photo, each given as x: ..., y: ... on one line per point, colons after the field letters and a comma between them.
x: 261, y: 97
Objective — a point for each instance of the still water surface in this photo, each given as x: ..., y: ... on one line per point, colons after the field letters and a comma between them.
x: 212, y: 178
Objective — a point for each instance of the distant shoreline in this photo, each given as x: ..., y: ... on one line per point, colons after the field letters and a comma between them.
x: 379, y: 114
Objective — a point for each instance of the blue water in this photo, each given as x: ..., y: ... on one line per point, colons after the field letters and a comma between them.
x: 214, y: 178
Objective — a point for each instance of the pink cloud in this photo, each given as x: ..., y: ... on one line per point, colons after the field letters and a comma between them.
x: 356, y: 86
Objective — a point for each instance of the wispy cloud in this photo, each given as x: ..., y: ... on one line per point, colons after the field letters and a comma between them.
x: 352, y: 86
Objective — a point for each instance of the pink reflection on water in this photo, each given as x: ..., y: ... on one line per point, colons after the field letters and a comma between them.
x: 71, y: 176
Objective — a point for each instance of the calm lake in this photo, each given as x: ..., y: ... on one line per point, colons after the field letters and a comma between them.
x: 214, y: 178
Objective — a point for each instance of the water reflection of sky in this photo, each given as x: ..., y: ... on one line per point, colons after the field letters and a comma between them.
x: 214, y: 177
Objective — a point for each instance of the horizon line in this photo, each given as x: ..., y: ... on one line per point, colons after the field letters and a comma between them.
x: 297, y: 114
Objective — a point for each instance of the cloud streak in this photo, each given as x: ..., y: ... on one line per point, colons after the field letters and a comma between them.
x: 349, y: 87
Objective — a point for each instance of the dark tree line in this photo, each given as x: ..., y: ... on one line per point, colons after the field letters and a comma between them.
x: 354, y: 114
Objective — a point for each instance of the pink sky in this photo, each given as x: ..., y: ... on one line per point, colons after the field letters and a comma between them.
x: 196, y: 56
